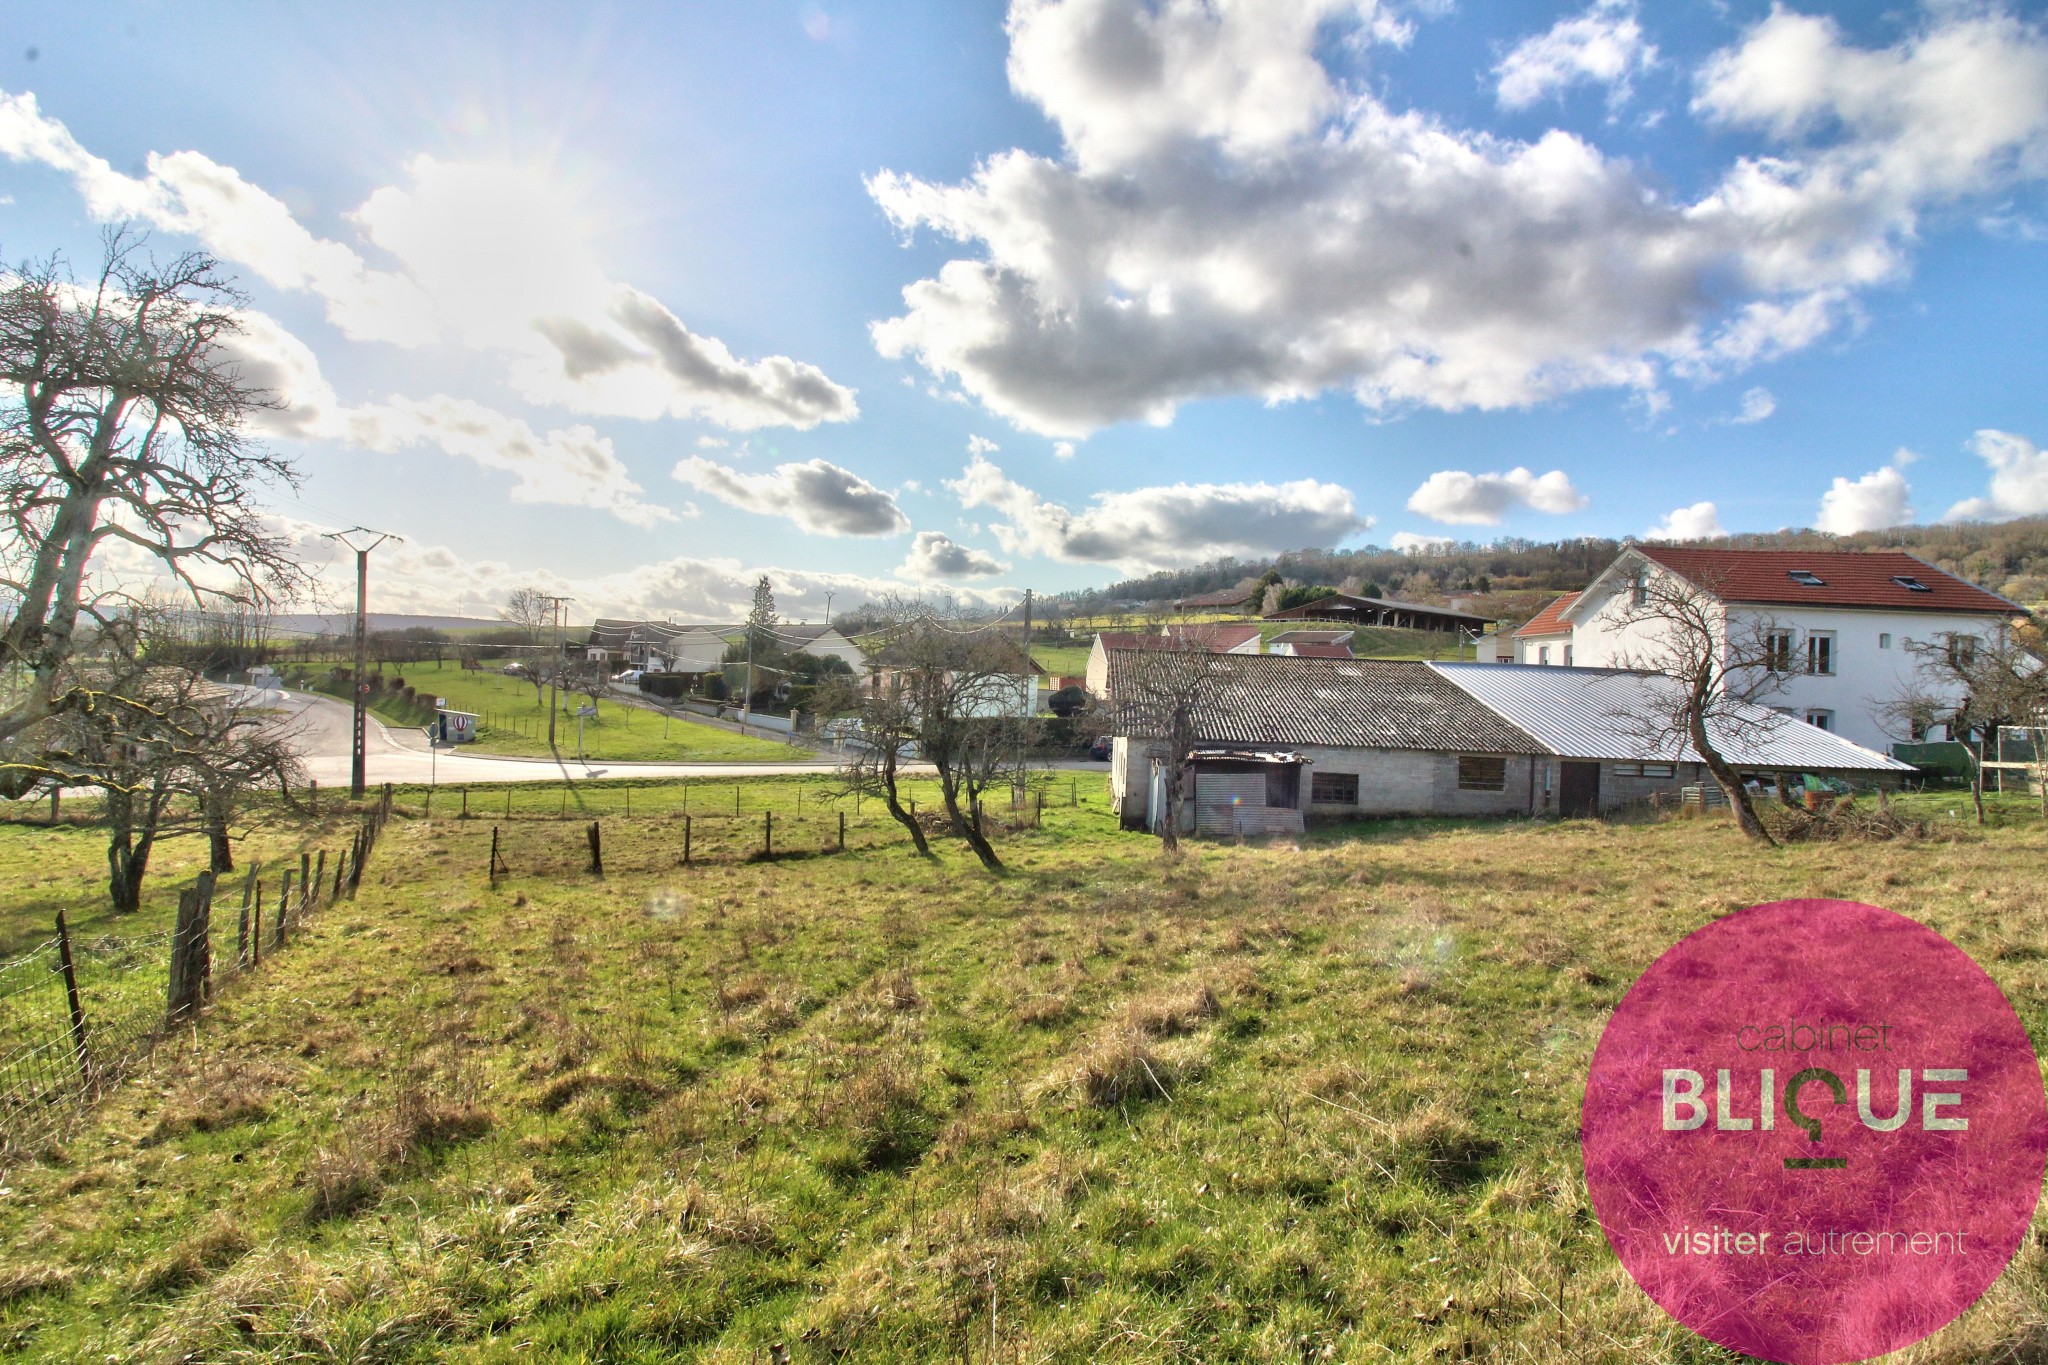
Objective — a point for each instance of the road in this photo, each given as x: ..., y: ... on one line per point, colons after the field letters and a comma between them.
x: 319, y: 728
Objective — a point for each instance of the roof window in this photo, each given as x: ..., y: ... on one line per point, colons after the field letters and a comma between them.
x: 1910, y: 583
x: 1806, y: 578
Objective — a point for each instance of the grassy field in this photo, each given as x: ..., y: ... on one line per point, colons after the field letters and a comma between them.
x: 515, y: 722
x: 1293, y: 1102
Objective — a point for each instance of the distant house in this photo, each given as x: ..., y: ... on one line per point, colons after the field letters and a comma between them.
x: 1377, y: 611
x: 1838, y: 621
x: 667, y: 647
x: 1219, y: 637
x: 1312, y: 644
x: 1547, y: 637
x: 1008, y: 678
x: 1394, y: 737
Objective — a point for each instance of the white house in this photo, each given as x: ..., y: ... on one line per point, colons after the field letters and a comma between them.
x: 1547, y: 638
x: 1838, y: 622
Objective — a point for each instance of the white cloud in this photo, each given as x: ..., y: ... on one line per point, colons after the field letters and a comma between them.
x: 1757, y: 404
x: 1603, y: 46
x: 817, y: 495
x: 572, y: 466
x: 2019, y: 479
x: 1415, y: 543
x: 1701, y: 521
x: 981, y: 445
x: 935, y: 555
x: 1063, y: 450
x: 1165, y: 526
x: 1871, y: 503
x: 1227, y: 220
x: 1452, y: 495
x: 493, y: 254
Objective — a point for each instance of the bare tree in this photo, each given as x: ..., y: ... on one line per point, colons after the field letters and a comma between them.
x: 530, y: 609
x: 1722, y: 666
x: 1159, y: 693
x: 124, y: 416
x: 1974, y: 685
x: 873, y: 764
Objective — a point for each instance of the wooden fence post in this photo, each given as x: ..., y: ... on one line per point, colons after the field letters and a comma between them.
x: 55, y: 793
x: 256, y: 929
x: 465, y: 803
x: 596, y: 850
x: 284, y: 910
x: 77, y: 1010
x: 319, y: 876
x: 340, y: 867
x: 494, y: 857
x: 842, y: 831
x: 190, y: 956
x: 384, y: 807
x: 767, y: 833
x: 686, y: 841
x: 313, y: 797
x: 629, y: 803
x: 508, y: 803
x: 735, y: 798
x: 242, y: 926
x: 305, y: 881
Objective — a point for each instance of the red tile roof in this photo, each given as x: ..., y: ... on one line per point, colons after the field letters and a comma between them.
x: 1848, y: 578
x: 1550, y: 621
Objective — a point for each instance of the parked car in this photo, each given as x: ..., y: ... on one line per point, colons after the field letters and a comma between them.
x: 1099, y: 750
x: 631, y: 675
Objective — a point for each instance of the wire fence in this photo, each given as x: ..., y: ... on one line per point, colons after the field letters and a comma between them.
x: 79, y: 1014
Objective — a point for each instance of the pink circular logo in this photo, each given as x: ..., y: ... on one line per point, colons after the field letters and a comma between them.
x: 1814, y: 1131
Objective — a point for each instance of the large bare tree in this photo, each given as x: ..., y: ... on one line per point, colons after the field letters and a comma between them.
x: 530, y: 609
x: 124, y: 417
x: 1722, y: 665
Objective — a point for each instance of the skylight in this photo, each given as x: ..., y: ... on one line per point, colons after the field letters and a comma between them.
x: 1910, y: 583
x: 1806, y: 578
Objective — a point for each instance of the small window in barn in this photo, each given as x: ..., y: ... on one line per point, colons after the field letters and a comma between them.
x: 1333, y: 789
x: 1478, y: 773
x: 1660, y: 770
x: 1628, y: 770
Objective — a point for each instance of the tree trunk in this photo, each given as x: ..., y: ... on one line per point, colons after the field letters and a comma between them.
x: 895, y: 804
x: 964, y: 826
x: 1730, y: 782
x: 220, y: 851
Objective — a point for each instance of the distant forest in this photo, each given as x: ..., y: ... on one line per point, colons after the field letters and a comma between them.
x: 1511, y: 577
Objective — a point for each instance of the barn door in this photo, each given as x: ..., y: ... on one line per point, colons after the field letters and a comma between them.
x: 1578, y: 790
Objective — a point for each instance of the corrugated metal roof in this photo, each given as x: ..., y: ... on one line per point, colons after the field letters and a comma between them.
x: 1584, y: 713
x: 1337, y: 703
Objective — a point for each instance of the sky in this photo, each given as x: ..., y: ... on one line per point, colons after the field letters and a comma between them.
x: 636, y: 303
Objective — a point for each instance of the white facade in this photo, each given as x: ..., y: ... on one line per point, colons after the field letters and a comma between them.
x: 1550, y: 650
x: 1846, y: 663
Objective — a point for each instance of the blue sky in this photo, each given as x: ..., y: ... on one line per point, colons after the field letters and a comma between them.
x: 613, y: 300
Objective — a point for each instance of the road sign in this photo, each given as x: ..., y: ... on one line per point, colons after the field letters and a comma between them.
x: 586, y: 710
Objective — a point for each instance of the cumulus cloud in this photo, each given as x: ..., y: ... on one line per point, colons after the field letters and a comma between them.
x: 1225, y: 219
x: 1603, y: 46
x: 492, y: 255
x: 1701, y: 521
x: 2019, y: 479
x: 817, y: 495
x: 571, y: 466
x: 1757, y: 404
x: 1461, y: 499
x: 981, y: 445
x: 935, y: 555
x: 1063, y: 450
x: 1871, y: 503
x: 1166, y: 526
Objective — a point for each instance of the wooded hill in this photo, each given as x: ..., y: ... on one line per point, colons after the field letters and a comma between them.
x: 1504, y: 577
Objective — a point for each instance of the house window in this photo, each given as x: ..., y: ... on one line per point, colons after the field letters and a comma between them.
x: 1567, y: 656
x: 1806, y: 578
x: 1821, y: 720
x: 1480, y: 773
x: 1884, y: 639
x: 1778, y: 651
x: 1820, y: 652
x: 1910, y: 583
x: 1639, y: 590
x: 1962, y: 651
x: 1333, y: 789
x: 1646, y: 770
x: 1543, y: 654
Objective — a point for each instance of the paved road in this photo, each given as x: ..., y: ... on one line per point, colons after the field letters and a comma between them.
x: 319, y: 727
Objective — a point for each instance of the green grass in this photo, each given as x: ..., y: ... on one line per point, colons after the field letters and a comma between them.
x: 1262, y: 1102
x: 515, y: 722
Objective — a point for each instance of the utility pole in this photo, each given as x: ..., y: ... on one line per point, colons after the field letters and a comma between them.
x: 362, y: 688
x: 1030, y: 692
x: 555, y: 665
x: 747, y: 702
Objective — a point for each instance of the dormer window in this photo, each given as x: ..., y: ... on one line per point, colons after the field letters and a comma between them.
x: 1910, y: 583
x: 1806, y: 578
